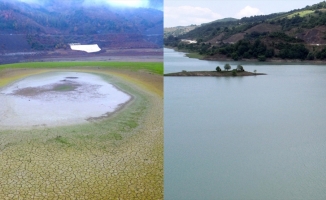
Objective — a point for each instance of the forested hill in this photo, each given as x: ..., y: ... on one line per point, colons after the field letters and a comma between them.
x: 73, y: 17
x: 297, y: 34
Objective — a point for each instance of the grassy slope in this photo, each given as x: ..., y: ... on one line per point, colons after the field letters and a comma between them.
x: 155, y: 67
x: 301, y: 13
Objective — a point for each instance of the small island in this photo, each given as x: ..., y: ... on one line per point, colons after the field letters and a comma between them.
x: 239, y: 71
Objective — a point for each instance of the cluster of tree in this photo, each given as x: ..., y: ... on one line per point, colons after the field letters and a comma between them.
x: 316, y: 18
x: 284, y: 37
x: 227, y: 67
x: 253, y: 49
x: 292, y: 51
x: 321, y: 54
x: 171, y: 41
x: 247, y: 49
x: 259, y: 18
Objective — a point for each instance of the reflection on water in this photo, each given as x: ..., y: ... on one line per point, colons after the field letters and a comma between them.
x: 58, y: 98
x: 257, y: 137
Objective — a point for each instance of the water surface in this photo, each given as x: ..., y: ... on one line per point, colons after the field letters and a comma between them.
x: 257, y: 137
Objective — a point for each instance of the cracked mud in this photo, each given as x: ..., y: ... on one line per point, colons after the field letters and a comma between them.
x: 118, y: 157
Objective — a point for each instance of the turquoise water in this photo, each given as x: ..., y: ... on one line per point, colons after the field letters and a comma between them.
x: 259, y: 137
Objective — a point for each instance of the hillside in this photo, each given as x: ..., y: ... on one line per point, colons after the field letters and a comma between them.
x: 297, y: 34
x: 179, y: 30
x: 54, y: 24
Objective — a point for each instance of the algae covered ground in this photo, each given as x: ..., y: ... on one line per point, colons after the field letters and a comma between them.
x: 116, y: 157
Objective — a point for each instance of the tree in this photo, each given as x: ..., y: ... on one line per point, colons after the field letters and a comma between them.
x: 310, y: 56
x: 227, y: 67
x: 240, y: 68
x: 218, y: 69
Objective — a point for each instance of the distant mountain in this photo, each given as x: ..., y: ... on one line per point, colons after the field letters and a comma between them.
x: 228, y: 19
x: 55, y: 23
x: 178, y: 30
x: 297, y: 34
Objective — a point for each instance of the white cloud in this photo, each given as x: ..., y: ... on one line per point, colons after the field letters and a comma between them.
x: 248, y: 11
x: 187, y: 15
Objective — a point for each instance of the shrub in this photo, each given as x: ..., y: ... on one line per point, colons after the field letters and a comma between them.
x: 261, y: 58
x: 218, y: 69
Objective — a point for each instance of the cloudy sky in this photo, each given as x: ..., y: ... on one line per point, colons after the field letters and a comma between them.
x: 187, y: 12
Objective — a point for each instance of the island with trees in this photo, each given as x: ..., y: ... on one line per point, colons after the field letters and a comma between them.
x: 227, y: 72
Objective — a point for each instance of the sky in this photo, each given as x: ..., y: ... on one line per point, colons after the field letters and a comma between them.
x: 187, y: 12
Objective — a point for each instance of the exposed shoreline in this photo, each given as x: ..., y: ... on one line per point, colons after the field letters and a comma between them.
x: 213, y: 73
x: 111, y: 158
x: 132, y: 55
x: 224, y: 58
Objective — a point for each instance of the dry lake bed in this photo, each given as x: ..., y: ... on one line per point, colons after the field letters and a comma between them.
x: 58, y: 98
x: 85, y: 133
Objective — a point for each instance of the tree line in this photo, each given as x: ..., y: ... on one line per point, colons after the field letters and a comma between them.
x: 252, y: 49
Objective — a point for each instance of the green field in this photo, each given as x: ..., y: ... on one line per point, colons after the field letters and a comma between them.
x: 155, y: 67
x: 301, y: 14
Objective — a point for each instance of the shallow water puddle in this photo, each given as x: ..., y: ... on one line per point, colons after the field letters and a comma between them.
x: 58, y: 98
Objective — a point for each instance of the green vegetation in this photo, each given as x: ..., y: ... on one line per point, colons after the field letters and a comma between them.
x: 155, y: 67
x: 227, y: 67
x: 62, y: 140
x: 194, y: 55
x: 240, y: 68
x: 285, y: 35
x: 218, y: 69
x: 300, y: 13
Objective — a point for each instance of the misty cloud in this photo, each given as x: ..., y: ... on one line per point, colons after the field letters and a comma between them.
x: 248, y: 11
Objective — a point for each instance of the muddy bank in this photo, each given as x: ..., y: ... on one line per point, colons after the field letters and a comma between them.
x: 136, y: 55
x: 213, y: 73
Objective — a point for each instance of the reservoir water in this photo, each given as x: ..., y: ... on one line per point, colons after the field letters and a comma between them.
x: 257, y: 137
